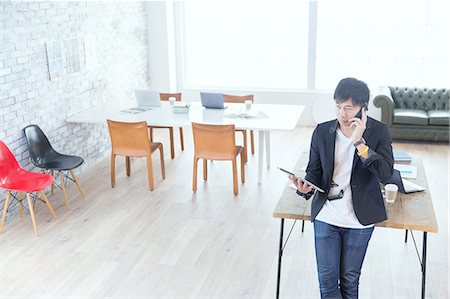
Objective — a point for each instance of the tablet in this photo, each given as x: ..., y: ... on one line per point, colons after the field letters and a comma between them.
x: 303, y: 180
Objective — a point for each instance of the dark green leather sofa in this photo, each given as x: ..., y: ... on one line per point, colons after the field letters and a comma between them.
x: 415, y: 113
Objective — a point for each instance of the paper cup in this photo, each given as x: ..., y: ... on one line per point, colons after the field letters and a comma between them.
x: 390, y: 191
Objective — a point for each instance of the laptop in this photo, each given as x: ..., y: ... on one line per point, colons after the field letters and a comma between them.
x: 212, y: 100
x: 147, y: 99
x: 404, y: 186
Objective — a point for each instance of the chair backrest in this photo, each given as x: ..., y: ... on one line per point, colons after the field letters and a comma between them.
x: 214, y: 142
x: 129, y: 139
x: 237, y: 99
x: 166, y: 96
x: 38, y: 145
x: 8, y: 163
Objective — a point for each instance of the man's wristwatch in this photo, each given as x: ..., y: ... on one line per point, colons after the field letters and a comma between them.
x: 360, y: 141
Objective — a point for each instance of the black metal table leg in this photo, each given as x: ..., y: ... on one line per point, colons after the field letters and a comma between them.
x: 280, y: 256
x: 406, y: 236
x: 303, y: 225
x: 424, y: 263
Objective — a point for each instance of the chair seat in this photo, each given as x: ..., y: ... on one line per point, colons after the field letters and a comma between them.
x: 209, y: 156
x: 132, y: 152
x: 59, y: 161
x: 26, y: 181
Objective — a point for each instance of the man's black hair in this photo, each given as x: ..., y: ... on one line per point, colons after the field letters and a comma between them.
x: 351, y: 88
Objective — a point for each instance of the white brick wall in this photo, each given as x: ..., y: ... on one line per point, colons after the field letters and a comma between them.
x: 115, y: 33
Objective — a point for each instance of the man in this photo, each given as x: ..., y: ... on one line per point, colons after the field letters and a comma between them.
x: 349, y: 156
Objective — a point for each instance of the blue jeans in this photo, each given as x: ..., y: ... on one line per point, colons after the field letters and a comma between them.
x: 339, y: 254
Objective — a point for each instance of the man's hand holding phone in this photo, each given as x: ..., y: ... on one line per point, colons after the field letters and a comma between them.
x: 359, y: 124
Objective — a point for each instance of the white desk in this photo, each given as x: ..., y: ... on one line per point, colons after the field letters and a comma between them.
x: 276, y: 117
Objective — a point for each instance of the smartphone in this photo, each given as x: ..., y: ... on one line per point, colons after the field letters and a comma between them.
x: 359, y: 114
x: 303, y: 180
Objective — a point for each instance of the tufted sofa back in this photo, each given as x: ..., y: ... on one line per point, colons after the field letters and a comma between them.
x: 420, y: 98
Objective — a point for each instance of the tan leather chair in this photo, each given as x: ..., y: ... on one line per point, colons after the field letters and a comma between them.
x: 241, y: 99
x: 132, y: 140
x: 216, y: 142
x: 165, y: 97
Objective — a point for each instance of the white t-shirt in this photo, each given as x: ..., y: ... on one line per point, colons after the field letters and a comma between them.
x: 339, y: 212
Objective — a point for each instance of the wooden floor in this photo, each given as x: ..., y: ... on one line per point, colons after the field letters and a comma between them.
x: 130, y: 242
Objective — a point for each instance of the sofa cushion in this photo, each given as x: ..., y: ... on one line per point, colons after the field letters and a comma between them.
x: 420, y: 98
x: 439, y: 117
x: 410, y: 117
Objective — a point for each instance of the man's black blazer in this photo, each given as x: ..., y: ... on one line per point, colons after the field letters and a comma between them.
x: 366, y: 174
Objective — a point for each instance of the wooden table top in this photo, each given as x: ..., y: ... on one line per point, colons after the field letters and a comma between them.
x: 412, y: 211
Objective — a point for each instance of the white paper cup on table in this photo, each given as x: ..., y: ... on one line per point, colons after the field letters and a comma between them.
x: 390, y: 191
x: 248, y: 104
x: 172, y: 100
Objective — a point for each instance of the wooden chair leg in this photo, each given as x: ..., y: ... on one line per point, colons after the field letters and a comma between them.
x: 35, y: 201
x: 252, y: 142
x: 127, y: 165
x: 205, y: 169
x: 61, y: 180
x: 172, y: 150
x: 113, y: 170
x: 21, y: 204
x: 53, y: 184
x: 194, y: 176
x: 242, y: 168
x: 181, y: 139
x: 5, y: 210
x: 33, y: 219
x: 244, y: 134
x: 78, y: 183
x: 235, y: 179
x: 49, y: 206
x: 151, y: 185
x: 161, y: 157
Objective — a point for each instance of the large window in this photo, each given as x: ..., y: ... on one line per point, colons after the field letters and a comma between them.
x: 277, y: 45
x: 245, y: 44
x: 383, y: 43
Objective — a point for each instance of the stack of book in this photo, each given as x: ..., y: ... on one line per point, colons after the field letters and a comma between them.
x: 402, y: 156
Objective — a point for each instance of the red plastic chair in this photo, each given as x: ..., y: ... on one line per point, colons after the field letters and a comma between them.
x: 15, y: 178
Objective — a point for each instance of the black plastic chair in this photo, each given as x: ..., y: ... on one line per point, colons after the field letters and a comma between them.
x: 43, y: 155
